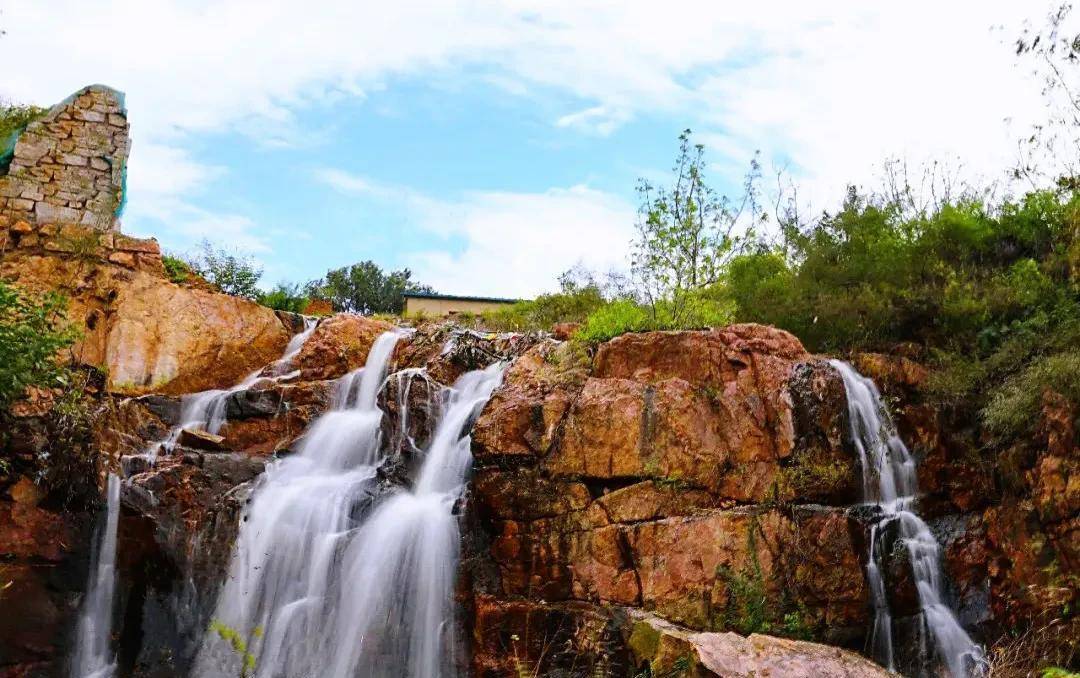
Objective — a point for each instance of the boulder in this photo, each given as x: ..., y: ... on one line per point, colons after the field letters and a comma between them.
x: 149, y: 334
x: 670, y: 650
x: 201, y: 440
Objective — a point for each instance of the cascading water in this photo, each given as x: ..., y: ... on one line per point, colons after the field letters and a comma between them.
x: 205, y: 410
x: 317, y: 587
x: 93, y: 656
x: 890, y: 483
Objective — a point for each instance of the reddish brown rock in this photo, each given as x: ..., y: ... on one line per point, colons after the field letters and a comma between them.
x: 523, y: 415
x: 150, y: 334
x: 563, y: 331
x: 339, y: 345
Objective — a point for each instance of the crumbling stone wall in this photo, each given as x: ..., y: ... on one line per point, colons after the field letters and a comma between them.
x: 68, y: 167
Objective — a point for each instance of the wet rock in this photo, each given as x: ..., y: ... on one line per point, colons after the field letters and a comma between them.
x: 201, y: 440
x: 165, y: 408
x: 252, y: 403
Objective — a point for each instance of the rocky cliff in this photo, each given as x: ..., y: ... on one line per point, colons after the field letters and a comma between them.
x: 681, y: 501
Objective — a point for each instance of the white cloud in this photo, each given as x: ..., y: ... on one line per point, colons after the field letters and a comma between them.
x: 344, y: 182
x: 832, y: 87
x: 512, y: 243
x: 600, y: 120
x: 516, y: 244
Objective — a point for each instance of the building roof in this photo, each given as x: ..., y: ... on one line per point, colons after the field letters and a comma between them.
x: 454, y: 297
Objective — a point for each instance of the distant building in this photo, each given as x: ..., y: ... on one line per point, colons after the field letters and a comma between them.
x: 442, y: 305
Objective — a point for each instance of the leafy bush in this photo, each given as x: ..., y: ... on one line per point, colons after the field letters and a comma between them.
x: 176, y: 268
x: 614, y: 319
x: 697, y: 311
x: 1014, y: 409
x: 285, y: 297
x: 231, y: 273
x: 574, y: 302
x: 33, y: 330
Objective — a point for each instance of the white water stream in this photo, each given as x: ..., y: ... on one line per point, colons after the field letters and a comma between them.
x: 890, y: 482
x: 327, y: 579
x: 93, y: 656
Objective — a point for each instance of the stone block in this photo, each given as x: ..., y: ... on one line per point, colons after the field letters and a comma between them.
x: 90, y: 116
x: 73, y: 159
x: 125, y: 259
x: 21, y: 227
x: 46, y: 212
x: 59, y: 245
x: 99, y: 163
x: 117, y: 120
x: 97, y: 219
x: 29, y: 240
x: 22, y: 204
x: 129, y: 244
x: 49, y: 230
x: 33, y: 147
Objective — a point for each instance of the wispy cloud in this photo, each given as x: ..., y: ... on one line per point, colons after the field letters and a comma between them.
x: 601, y: 120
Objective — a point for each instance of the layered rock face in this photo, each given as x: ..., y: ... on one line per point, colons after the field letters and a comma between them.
x: 682, y: 501
x: 671, y: 472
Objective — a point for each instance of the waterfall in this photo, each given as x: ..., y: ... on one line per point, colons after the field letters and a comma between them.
x: 329, y: 580
x: 93, y: 656
x: 205, y: 410
x: 890, y: 483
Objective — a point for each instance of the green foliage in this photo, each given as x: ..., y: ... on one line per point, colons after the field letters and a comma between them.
x: 578, y: 297
x: 232, y: 273
x: 749, y: 608
x: 176, y: 268
x: 696, y: 311
x: 992, y: 291
x: 685, y: 235
x: 1055, y: 672
x: 32, y: 331
x: 285, y: 297
x: 1014, y: 408
x: 239, y: 645
x: 364, y: 288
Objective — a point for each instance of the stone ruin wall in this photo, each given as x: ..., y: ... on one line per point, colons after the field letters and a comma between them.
x: 64, y: 188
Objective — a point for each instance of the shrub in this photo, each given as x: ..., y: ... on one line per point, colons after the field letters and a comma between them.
x: 1014, y: 409
x: 697, y: 311
x: 285, y: 297
x: 176, y: 268
x: 614, y: 319
x: 33, y: 330
x: 231, y: 273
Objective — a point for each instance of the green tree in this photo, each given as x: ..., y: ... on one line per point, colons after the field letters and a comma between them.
x: 364, y: 288
x: 232, y: 273
x: 33, y: 330
x: 686, y: 233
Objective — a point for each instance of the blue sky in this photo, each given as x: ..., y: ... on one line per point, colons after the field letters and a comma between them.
x: 490, y: 145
